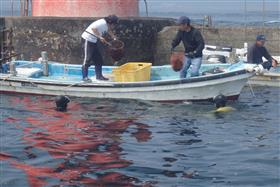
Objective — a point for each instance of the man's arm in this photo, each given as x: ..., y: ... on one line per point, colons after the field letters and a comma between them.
x: 199, y: 39
x: 98, y: 35
x: 267, y: 55
x: 176, y: 40
x: 112, y: 35
x: 250, y: 55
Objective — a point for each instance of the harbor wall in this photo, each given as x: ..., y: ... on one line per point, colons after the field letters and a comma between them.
x: 61, y: 37
x: 221, y: 36
x: 146, y: 39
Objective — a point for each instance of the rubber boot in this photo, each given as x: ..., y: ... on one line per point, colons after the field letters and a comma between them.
x: 84, y: 71
x: 98, y: 71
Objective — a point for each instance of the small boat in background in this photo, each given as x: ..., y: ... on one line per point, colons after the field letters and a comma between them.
x: 164, y: 85
x: 216, y: 54
x: 268, y: 78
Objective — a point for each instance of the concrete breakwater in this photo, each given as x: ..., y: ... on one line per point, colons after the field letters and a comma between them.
x: 146, y: 39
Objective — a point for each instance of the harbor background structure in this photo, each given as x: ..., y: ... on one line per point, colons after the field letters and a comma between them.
x: 147, y: 37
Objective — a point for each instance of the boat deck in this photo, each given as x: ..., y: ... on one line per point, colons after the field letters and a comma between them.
x: 68, y: 73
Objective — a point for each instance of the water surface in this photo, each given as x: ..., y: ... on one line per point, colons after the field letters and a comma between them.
x: 101, y: 142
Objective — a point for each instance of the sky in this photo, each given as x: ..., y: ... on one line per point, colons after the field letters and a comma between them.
x: 210, y: 6
x: 190, y: 7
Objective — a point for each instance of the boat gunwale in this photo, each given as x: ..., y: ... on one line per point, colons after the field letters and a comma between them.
x: 270, y: 74
x: 130, y: 84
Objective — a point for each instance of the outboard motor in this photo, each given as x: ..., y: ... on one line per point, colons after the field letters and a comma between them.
x: 61, y: 102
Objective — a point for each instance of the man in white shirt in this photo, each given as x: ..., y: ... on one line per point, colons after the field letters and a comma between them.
x: 92, y: 35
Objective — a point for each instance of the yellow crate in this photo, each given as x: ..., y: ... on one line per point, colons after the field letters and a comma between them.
x: 133, y: 72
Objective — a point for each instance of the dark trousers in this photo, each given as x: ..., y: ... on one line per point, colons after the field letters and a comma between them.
x: 92, y: 56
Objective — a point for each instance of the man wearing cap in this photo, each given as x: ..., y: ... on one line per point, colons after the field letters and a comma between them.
x: 193, y: 43
x: 92, y: 35
x: 257, y: 51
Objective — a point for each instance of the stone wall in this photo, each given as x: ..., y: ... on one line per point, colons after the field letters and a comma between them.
x: 223, y: 36
x: 61, y: 37
x: 146, y: 39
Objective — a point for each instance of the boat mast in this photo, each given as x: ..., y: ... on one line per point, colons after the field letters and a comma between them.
x: 263, y: 14
x: 245, y: 15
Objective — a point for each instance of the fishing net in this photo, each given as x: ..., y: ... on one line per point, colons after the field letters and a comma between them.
x: 177, y: 60
x: 116, y: 50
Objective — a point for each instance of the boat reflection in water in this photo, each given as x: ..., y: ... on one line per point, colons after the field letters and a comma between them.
x: 83, y: 150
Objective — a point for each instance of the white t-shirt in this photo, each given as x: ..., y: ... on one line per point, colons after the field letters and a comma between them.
x: 101, y: 27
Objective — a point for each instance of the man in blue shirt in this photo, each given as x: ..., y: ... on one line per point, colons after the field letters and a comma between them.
x: 257, y: 51
x: 193, y: 43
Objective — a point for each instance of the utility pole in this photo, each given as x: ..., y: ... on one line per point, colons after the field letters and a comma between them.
x: 24, y: 7
x: 263, y: 14
x: 146, y: 6
x: 12, y: 2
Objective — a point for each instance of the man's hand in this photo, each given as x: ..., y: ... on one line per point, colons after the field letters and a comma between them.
x: 112, y: 35
x: 274, y: 63
x: 102, y: 40
x: 191, y: 54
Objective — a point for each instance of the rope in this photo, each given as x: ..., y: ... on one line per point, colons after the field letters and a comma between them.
x: 8, y: 77
x: 74, y: 84
x: 251, y: 88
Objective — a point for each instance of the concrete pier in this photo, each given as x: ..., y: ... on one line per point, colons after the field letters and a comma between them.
x: 220, y: 36
x: 146, y: 39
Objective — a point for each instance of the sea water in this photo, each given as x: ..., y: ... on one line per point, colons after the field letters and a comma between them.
x: 116, y: 142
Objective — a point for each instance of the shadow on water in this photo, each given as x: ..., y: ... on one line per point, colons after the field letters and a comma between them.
x: 114, y: 142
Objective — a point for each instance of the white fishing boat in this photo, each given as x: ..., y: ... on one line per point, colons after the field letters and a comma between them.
x: 164, y: 84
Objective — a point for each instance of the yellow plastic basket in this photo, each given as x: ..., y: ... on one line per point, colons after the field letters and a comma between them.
x: 133, y: 72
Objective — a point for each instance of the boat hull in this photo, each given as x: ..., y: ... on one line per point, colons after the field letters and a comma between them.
x: 268, y: 79
x: 200, y: 88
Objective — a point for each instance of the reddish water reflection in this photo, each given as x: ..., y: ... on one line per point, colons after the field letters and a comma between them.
x: 80, y: 145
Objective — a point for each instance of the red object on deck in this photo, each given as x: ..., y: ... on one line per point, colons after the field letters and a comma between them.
x: 85, y: 8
